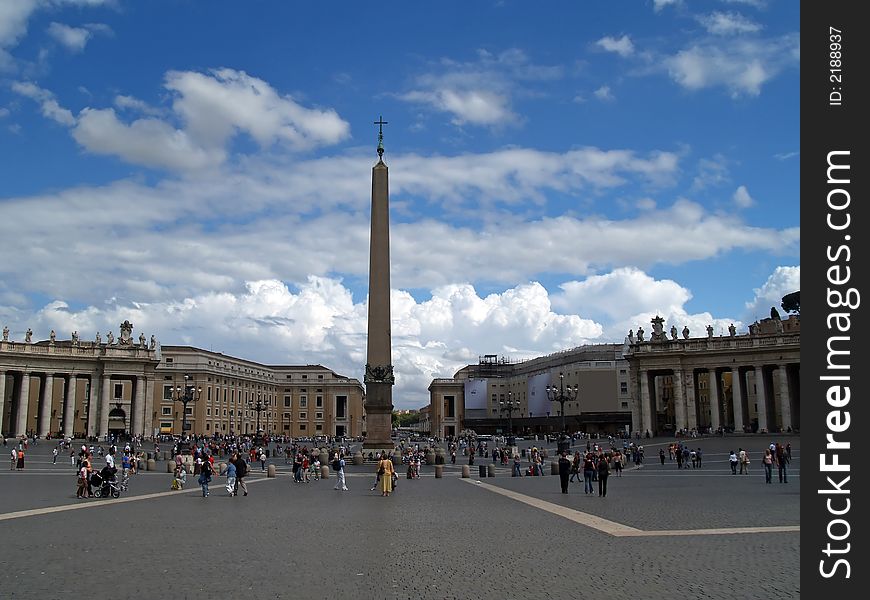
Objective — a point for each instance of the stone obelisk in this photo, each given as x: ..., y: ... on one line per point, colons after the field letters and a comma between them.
x: 379, y: 377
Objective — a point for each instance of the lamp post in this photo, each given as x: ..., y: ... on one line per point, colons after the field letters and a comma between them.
x: 259, y: 407
x: 187, y: 394
x: 510, y: 406
x: 559, y: 395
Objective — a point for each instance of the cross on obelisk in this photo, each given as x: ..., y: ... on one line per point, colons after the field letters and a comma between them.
x: 380, y: 123
x: 379, y: 377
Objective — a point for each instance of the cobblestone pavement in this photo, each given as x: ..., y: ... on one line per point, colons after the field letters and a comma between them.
x: 433, y: 538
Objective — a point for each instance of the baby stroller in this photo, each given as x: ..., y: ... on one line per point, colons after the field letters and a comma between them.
x: 105, y: 484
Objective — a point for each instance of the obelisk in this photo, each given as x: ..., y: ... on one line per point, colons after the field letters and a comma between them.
x: 379, y: 377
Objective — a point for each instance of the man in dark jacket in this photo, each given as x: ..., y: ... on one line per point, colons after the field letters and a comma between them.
x: 564, y: 471
x: 238, y: 459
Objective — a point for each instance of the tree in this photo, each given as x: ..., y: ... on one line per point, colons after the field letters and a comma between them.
x: 791, y: 303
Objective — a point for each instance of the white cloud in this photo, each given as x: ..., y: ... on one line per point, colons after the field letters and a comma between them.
x: 711, y: 172
x: 742, y: 198
x: 720, y: 23
x: 622, y: 46
x: 135, y: 104
x: 752, y: 3
x: 73, y: 38
x: 47, y: 102
x: 149, y: 142
x: 741, y: 66
x: 479, y: 92
x: 786, y: 155
x: 4, y: 112
x: 659, y: 5
x: 783, y: 280
x: 604, y: 94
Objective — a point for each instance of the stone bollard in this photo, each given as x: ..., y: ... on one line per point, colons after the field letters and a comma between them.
x: 439, y: 471
x: 152, y: 464
x: 140, y: 465
x: 466, y: 471
x: 490, y: 470
x: 324, y: 457
x: 324, y: 472
x: 166, y: 455
x: 270, y: 471
x: 545, y: 453
x: 554, y: 468
x: 170, y: 467
x: 222, y: 468
x: 430, y: 458
x: 358, y: 459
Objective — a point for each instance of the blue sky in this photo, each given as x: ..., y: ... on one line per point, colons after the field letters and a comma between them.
x: 557, y: 176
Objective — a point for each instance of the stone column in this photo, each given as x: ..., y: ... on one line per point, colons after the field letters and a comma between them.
x: 691, y: 400
x: 636, y: 419
x: 679, y: 399
x: 148, y: 414
x: 645, y: 418
x: 761, y: 397
x: 784, y: 396
x: 713, y: 377
x: 105, y: 405
x: 93, y: 403
x: 23, y: 401
x: 737, y: 398
x: 138, y: 407
x: 3, y: 398
x: 45, y: 406
x: 69, y: 406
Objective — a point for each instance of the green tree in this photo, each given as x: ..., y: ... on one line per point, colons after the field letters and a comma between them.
x: 791, y: 303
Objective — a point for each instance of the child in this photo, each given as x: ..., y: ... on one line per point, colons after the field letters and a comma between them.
x: 179, y: 478
x: 231, y: 478
x: 315, y: 468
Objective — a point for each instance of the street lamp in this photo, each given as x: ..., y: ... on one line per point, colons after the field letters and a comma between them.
x: 259, y: 407
x: 510, y: 406
x: 187, y: 394
x: 559, y: 395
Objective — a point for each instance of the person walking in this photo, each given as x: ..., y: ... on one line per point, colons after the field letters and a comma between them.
x: 338, y: 466
x: 19, y: 464
x: 54, y: 456
x: 781, y: 463
x: 385, y: 472
x: 698, y: 456
x: 205, y: 473
x: 732, y: 458
x: 14, y: 459
x: 575, y: 467
x: 588, y: 471
x: 744, y: 462
x: 564, y: 471
x: 768, y: 465
x: 241, y: 472
x: 603, y: 474
x: 231, y: 478
x: 662, y: 456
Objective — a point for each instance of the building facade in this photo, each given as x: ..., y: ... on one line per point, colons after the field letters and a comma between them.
x: 76, y: 388
x: 497, y: 396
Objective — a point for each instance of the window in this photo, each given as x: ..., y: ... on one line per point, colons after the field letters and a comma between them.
x: 289, y: 377
x: 119, y: 390
x: 188, y: 410
x: 167, y: 411
x: 207, y: 426
x: 208, y: 412
x: 303, y: 402
x: 167, y: 378
x: 287, y: 403
x: 166, y: 425
x: 302, y: 427
x: 320, y: 376
x: 286, y: 427
x: 168, y: 360
x: 319, y: 402
x: 167, y: 392
x: 622, y: 371
x: 225, y: 412
x: 340, y: 407
x: 623, y: 387
x: 303, y: 415
x: 625, y: 405
x: 318, y: 416
x: 318, y: 427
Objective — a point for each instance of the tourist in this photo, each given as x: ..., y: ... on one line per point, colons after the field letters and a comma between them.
x: 588, y: 471
x: 54, y: 456
x: 14, y: 455
x: 385, y: 472
x: 231, y: 478
x: 262, y: 459
x: 517, y: 472
x: 767, y: 461
x: 662, y: 456
x: 603, y: 474
x: 744, y: 461
x: 338, y: 466
x: 82, y: 489
x: 19, y: 465
x: 241, y: 472
x: 698, y: 456
x: 781, y: 463
x: 732, y: 458
x: 205, y: 473
x: 575, y: 467
x: 564, y: 471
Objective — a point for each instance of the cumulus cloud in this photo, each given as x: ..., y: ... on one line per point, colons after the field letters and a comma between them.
x: 721, y: 23
x: 212, y: 108
x: 622, y: 46
x: 784, y: 280
x: 659, y: 5
x: 741, y: 66
x: 317, y: 320
x: 742, y: 198
x: 478, y: 92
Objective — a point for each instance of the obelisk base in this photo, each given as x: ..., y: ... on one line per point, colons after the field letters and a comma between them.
x: 379, y: 416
